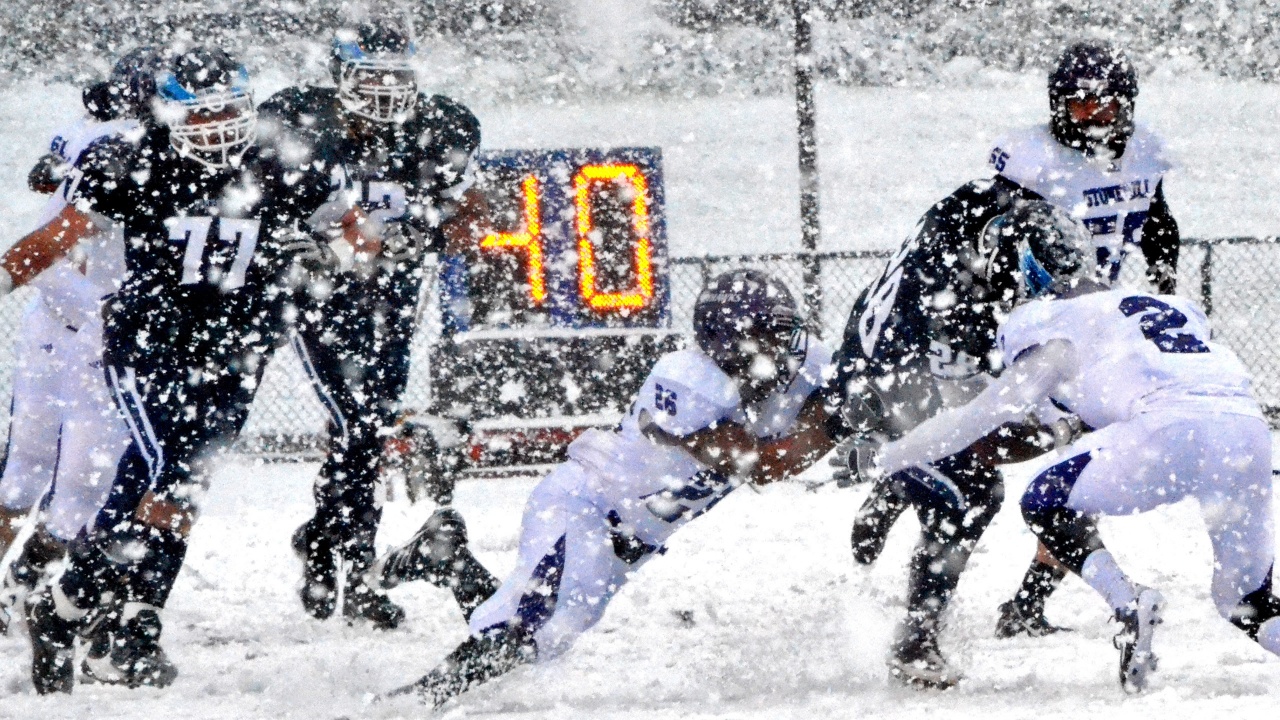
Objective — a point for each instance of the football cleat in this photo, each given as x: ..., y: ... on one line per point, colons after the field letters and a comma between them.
x: 366, y: 603
x: 319, y: 591
x: 130, y: 654
x: 918, y: 663
x: 1015, y: 620
x: 1138, y: 625
x: 53, y: 645
x: 874, y: 520
x: 431, y: 554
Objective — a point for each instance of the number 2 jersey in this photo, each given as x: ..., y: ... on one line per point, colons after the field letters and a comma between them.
x: 1135, y: 353
x: 205, y: 250
x: 653, y: 490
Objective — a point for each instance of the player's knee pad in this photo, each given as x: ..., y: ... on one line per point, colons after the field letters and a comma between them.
x: 1256, y: 609
x: 1069, y: 535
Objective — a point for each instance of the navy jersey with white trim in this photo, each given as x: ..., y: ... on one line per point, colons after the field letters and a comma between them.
x: 410, y: 171
x: 932, y: 302
x: 205, y: 250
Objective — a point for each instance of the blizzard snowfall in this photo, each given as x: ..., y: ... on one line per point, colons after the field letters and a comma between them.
x: 757, y: 611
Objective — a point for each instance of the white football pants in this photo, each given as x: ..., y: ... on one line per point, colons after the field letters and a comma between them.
x: 566, y: 571
x: 65, y: 434
x: 1159, y: 458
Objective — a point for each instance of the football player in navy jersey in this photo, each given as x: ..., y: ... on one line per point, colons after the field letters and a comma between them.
x: 922, y: 337
x: 214, y: 226
x: 406, y: 157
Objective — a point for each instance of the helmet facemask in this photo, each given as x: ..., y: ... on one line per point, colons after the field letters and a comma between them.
x: 379, y: 88
x: 213, y: 126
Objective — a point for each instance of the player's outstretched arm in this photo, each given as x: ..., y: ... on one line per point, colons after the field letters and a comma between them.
x: 794, y: 453
x: 40, y: 249
x: 728, y: 447
x: 1028, y: 380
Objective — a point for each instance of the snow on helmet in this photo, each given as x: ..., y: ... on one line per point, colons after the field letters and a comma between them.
x: 748, y: 324
x: 206, y: 102
x: 371, y: 67
x: 1093, y: 71
x: 1054, y: 252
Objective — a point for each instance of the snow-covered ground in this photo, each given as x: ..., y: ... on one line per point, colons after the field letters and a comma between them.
x: 757, y: 611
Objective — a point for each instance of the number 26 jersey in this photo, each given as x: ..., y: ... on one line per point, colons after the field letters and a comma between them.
x: 656, y: 489
x: 1135, y: 353
x: 205, y: 250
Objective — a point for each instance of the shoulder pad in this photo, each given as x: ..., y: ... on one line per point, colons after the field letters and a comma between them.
x: 448, y: 123
x: 1021, y: 155
x: 1147, y: 147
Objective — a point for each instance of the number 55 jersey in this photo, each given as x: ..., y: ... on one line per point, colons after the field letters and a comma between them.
x: 1135, y: 353
x: 205, y: 249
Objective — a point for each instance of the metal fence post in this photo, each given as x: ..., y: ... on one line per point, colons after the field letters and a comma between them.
x: 1206, y: 279
x: 806, y: 122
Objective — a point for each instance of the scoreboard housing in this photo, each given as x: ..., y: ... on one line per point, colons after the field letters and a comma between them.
x: 555, y: 313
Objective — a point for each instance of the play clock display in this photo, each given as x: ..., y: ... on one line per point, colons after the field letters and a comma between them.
x: 555, y: 312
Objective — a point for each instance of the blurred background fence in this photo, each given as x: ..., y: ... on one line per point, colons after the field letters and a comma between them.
x: 1236, y: 279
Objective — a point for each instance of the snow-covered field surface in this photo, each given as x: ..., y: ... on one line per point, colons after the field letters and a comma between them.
x: 757, y: 612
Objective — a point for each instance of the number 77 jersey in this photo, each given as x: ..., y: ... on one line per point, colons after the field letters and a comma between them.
x: 1135, y: 353
x: 205, y: 250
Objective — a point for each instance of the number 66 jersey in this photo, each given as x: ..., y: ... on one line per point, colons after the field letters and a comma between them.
x: 1135, y: 353
x: 205, y: 249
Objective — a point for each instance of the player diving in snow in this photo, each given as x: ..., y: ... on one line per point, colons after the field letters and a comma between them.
x: 743, y: 406
x: 407, y: 160
x: 923, y: 336
x: 1172, y: 418
x: 66, y: 434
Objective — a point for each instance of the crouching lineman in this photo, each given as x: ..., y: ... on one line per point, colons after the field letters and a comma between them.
x: 1172, y: 416
x: 407, y: 160
x: 66, y: 435
x: 924, y: 333
x: 214, y: 228
x: 741, y: 407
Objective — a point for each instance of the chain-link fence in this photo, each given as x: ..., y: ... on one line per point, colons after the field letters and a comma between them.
x: 1236, y: 279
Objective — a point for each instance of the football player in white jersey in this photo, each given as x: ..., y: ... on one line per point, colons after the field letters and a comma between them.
x: 1092, y: 161
x: 65, y: 435
x: 1172, y: 418
x: 741, y: 407
x: 1095, y: 162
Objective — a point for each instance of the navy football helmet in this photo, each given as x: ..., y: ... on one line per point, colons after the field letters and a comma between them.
x: 748, y: 324
x: 130, y: 89
x: 1103, y: 85
x: 205, y: 99
x: 1054, y: 252
x: 372, y: 69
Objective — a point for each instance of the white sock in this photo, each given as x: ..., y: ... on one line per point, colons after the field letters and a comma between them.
x: 1269, y: 635
x: 1104, y: 575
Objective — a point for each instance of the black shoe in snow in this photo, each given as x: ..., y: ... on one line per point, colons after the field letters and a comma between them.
x: 1016, y: 620
x: 918, y: 663
x: 53, y: 645
x: 319, y: 593
x: 432, y: 553
x: 874, y: 520
x: 1137, y: 628
x: 130, y: 654
x: 363, y: 602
